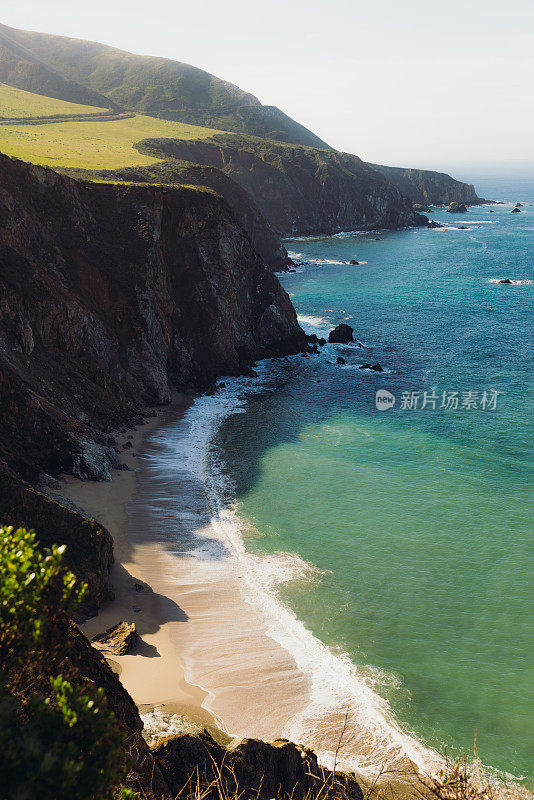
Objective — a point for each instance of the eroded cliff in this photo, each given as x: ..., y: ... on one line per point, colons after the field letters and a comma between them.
x: 427, y: 186
x: 299, y: 190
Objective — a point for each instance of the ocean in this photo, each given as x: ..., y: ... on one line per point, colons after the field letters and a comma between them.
x: 347, y: 566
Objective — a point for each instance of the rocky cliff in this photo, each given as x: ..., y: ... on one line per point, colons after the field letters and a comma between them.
x: 110, y: 298
x: 299, y: 190
x: 428, y: 187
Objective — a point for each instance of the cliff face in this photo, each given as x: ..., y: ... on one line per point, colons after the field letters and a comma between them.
x: 426, y: 186
x: 299, y: 190
x: 109, y: 297
x: 266, y: 242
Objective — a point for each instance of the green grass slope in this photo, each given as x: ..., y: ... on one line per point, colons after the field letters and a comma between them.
x: 91, y: 144
x: 149, y: 85
x: 18, y: 104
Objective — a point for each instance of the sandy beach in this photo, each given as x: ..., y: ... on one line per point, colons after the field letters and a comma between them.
x: 153, y: 673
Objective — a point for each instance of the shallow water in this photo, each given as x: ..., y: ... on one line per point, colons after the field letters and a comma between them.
x: 420, y: 521
x: 330, y: 559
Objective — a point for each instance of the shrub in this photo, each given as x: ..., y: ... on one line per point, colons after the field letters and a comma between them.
x: 66, y: 746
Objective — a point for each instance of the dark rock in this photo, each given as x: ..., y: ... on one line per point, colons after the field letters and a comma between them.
x: 377, y: 368
x: 434, y: 224
x: 340, y: 360
x: 364, y: 366
x: 505, y: 280
x: 88, y: 267
x: 341, y: 334
x: 120, y: 639
x: 463, y: 228
x: 519, y: 205
x: 260, y: 770
x: 353, y: 261
x: 515, y: 211
x: 457, y: 208
x: 139, y: 587
x: 89, y: 552
x: 248, y: 372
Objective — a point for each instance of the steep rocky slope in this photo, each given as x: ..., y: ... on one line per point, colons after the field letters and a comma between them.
x: 109, y: 297
x: 299, y: 190
x: 426, y: 186
x: 246, y: 211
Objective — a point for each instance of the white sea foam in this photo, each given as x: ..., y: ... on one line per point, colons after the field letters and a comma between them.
x: 158, y: 724
x: 312, y: 324
x: 336, y: 685
x: 513, y: 282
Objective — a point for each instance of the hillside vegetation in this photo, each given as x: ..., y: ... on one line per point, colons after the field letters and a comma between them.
x: 91, y: 144
x: 16, y: 103
x: 70, y: 69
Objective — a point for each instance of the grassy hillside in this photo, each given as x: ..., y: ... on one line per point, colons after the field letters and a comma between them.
x: 16, y: 103
x: 92, y: 144
x: 149, y: 85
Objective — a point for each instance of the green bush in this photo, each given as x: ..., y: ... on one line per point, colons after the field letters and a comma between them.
x: 66, y: 746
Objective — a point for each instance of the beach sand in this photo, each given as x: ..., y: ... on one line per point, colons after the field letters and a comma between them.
x: 153, y: 673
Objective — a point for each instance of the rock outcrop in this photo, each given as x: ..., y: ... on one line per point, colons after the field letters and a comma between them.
x: 120, y: 639
x: 260, y: 770
x: 457, y: 208
x: 341, y: 334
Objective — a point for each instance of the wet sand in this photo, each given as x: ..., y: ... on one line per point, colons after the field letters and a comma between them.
x: 153, y: 674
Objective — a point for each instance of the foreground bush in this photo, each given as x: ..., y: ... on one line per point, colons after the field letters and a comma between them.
x: 67, y: 745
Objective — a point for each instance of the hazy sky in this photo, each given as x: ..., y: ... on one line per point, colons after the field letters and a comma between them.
x: 403, y: 82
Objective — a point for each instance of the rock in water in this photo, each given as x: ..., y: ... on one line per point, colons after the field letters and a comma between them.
x: 341, y: 334
x: 457, y: 208
x: 505, y: 280
x: 515, y: 210
x: 377, y: 368
x: 340, y: 360
x: 120, y: 639
x: 353, y: 261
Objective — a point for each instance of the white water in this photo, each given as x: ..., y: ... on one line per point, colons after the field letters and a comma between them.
x: 266, y: 675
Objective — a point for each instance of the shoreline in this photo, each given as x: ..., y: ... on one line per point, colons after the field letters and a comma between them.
x: 153, y: 674
x: 176, y: 532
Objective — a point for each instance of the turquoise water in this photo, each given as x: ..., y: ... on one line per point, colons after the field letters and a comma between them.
x: 420, y: 521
